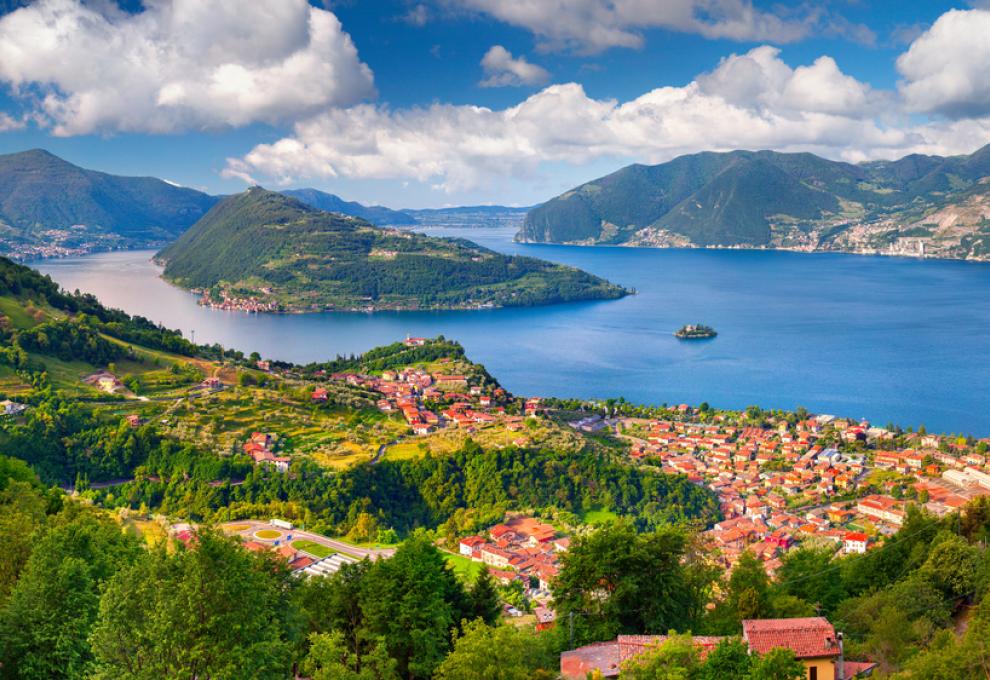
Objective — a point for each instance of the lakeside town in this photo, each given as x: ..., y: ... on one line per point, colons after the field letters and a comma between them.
x: 227, y: 300
x: 71, y: 241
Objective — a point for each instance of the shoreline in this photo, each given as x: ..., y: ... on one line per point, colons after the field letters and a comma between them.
x: 376, y: 310
x: 753, y: 248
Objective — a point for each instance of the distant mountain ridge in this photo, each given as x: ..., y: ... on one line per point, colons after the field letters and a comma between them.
x: 265, y: 251
x: 376, y: 214
x: 775, y: 200
x: 40, y: 192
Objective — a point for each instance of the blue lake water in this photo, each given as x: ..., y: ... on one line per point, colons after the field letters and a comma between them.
x: 889, y: 339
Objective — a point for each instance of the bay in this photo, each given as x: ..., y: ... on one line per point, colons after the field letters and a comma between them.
x: 888, y: 339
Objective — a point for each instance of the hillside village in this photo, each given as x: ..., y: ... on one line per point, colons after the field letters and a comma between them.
x: 821, y: 479
x: 789, y: 481
x: 782, y: 480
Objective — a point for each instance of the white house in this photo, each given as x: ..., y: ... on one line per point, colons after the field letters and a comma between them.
x: 855, y: 542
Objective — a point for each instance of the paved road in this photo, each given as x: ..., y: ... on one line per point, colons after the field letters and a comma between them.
x: 340, y: 546
x: 381, y: 451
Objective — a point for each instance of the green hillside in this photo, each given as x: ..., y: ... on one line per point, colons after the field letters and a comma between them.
x: 763, y: 199
x: 262, y: 247
x: 723, y: 212
x: 376, y: 214
x: 41, y: 192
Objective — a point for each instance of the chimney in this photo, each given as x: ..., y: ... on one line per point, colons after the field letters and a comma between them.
x: 840, y: 670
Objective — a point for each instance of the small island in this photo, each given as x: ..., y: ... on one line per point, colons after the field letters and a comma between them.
x: 695, y: 332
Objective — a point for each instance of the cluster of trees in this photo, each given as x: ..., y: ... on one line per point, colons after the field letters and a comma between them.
x: 79, y: 598
x: 620, y: 581
x: 69, y: 341
x: 897, y: 605
x: 403, y: 612
x: 457, y: 493
x: 395, y: 355
x: 64, y: 441
x: 436, y: 279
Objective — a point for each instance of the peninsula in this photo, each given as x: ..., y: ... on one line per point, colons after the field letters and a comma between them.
x: 264, y: 251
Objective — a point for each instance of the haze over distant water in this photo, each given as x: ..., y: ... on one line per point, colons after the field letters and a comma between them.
x: 889, y: 339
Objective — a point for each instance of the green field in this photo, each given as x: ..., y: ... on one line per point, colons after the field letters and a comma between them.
x: 598, y: 516
x: 313, y: 548
x: 17, y: 313
x: 463, y: 567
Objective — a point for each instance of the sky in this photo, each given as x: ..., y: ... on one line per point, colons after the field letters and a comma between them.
x: 430, y: 103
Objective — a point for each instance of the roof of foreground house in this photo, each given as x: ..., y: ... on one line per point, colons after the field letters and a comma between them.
x: 809, y: 637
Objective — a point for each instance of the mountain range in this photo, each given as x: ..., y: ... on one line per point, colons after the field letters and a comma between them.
x: 918, y: 204
x: 262, y: 250
x: 50, y: 207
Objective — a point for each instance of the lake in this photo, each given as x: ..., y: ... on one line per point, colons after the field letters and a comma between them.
x: 888, y: 339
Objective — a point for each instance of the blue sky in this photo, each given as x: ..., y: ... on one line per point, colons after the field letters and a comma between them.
x: 416, y: 103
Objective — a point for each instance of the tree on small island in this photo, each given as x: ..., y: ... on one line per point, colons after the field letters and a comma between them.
x: 695, y: 332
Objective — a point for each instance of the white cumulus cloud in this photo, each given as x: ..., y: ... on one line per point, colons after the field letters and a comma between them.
x: 595, y: 25
x: 178, y: 64
x: 750, y: 101
x: 946, y: 69
x: 760, y: 79
x: 502, y: 69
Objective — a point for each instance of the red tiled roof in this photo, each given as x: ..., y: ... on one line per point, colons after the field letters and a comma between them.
x: 634, y: 645
x: 853, y: 668
x: 808, y: 637
x: 301, y: 562
x: 600, y: 656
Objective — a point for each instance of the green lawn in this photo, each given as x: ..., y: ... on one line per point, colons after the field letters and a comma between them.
x: 16, y: 312
x: 313, y: 548
x: 463, y: 567
x: 598, y: 516
x: 67, y: 375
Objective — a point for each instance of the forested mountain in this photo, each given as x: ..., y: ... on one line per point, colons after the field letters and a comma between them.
x: 376, y: 214
x: 40, y: 192
x: 264, y: 248
x: 770, y: 199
